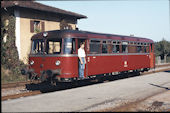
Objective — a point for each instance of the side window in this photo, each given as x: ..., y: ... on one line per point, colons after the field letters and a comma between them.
x: 69, y: 46
x: 139, y: 49
x: 151, y: 47
x: 104, y: 47
x: 132, y: 47
x: 147, y: 49
x: 124, y: 47
x: 109, y: 47
x: 144, y: 49
x: 115, y: 48
x: 95, y: 46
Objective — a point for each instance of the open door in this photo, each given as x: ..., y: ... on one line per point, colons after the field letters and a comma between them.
x: 125, y: 56
x: 152, y: 56
x: 86, y: 51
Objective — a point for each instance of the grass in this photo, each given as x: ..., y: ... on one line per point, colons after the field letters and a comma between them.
x: 7, y: 76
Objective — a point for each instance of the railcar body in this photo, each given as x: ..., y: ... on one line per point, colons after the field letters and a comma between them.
x: 54, y: 54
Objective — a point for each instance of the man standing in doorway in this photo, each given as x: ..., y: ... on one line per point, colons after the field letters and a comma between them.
x: 82, y: 60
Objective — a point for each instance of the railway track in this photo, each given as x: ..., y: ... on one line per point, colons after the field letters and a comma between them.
x: 163, y: 65
x: 16, y: 84
x: 31, y: 93
x: 20, y: 95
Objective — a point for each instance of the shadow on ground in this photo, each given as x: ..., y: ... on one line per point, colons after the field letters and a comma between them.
x: 168, y: 71
x: 46, y: 87
x: 160, y: 86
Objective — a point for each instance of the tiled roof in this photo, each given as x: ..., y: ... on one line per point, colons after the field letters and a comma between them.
x: 38, y: 6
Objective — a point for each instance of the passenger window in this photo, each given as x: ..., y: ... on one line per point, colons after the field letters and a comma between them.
x: 95, y: 46
x: 115, y: 49
x: 125, y: 47
x: 144, y: 48
x: 139, y: 49
x: 132, y: 49
x: 151, y: 47
x: 104, y: 47
x: 147, y: 49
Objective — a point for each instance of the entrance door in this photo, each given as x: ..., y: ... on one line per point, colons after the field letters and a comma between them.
x: 152, y: 56
x: 85, y: 48
x: 125, y: 56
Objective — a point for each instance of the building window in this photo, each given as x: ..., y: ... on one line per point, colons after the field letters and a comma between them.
x: 36, y: 26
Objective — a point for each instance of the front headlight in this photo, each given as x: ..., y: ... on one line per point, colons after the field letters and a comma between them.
x: 32, y: 62
x: 57, y: 63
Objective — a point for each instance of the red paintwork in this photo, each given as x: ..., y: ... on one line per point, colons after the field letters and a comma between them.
x: 97, y: 64
x: 68, y: 66
x: 88, y: 35
x: 108, y: 64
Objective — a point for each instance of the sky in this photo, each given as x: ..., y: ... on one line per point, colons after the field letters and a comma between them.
x: 142, y: 18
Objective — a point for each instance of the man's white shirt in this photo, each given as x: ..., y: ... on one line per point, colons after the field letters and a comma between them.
x: 81, y: 52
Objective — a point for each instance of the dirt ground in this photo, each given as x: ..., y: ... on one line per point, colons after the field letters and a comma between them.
x: 157, y: 103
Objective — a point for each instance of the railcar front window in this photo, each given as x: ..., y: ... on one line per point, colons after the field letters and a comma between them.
x: 54, y: 46
x: 37, y: 47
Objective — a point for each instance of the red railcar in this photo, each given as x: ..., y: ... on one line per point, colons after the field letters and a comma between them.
x: 54, y: 56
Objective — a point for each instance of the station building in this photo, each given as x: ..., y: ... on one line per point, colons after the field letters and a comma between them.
x: 32, y: 17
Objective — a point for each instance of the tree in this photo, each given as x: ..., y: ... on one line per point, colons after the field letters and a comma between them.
x: 162, y: 48
x: 64, y: 25
x: 9, y: 54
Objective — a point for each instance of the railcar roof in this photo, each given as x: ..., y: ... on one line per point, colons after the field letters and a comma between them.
x: 88, y: 34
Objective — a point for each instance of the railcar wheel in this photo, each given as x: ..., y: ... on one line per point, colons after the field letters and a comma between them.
x: 43, y: 77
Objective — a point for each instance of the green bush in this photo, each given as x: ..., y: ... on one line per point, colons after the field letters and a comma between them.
x: 10, y: 63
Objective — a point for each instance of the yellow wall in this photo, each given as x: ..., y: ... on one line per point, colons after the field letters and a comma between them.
x: 49, y: 25
x: 25, y: 34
